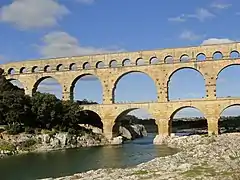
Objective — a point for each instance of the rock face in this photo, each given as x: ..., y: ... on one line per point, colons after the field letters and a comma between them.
x: 200, y: 157
x: 132, y: 132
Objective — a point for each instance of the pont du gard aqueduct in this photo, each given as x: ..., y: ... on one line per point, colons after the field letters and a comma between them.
x: 160, y: 65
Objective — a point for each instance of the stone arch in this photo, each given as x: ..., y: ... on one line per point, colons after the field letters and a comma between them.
x: 153, y: 84
x: 23, y: 70
x: 154, y: 60
x: 93, y: 119
x: 100, y: 64
x: 184, y: 58
x: 40, y: 80
x: 113, y: 64
x: 86, y: 65
x: 192, y: 70
x: 47, y: 68
x: 126, y: 62
x: 201, y: 57
x: 16, y: 82
x: 60, y: 67
x: 35, y: 69
x: 127, y: 117
x: 234, y: 54
x: 188, y: 124
x: 88, y: 77
x: 169, y: 59
x: 217, y: 55
x: 73, y: 67
x: 230, y: 76
x: 140, y: 62
x: 11, y: 71
x: 229, y: 120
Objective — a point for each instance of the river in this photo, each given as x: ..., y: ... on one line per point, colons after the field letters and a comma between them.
x: 66, y: 162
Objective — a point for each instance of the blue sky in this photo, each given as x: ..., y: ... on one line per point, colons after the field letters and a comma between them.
x: 33, y: 29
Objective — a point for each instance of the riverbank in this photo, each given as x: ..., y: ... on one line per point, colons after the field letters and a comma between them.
x: 47, y: 141
x: 200, y: 157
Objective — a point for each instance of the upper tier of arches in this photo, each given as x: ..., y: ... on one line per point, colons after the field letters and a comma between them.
x: 142, y: 58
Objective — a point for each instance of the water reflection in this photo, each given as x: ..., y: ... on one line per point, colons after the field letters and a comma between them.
x: 67, y: 162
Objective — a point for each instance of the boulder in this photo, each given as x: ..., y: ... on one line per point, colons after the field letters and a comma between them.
x: 62, y: 137
x: 159, y: 139
x: 125, y: 132
x: 117, y: 140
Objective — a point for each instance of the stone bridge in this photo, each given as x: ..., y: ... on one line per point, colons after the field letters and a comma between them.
x: 160, y: 65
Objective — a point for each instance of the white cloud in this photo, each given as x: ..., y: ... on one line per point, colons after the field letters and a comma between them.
x: 27, y: 14
x: 189, y: 35
x: 180, y: 18
x: 201, y: 14
x: 216, y: 41
x: 86, y: 1
x: 59, y: 44
x: 221, y: 5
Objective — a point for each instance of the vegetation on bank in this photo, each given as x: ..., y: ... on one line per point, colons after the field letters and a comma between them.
x: 20, y: 112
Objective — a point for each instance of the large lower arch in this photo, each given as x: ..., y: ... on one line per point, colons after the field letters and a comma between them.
x: 48, y: 85
x: 93, y: 119
x: 188, y: 120
x: 227, y: 84
x: 186, y: 83
x: 229, y: 121
x: 129, y: 119
x: 17, y: 83
x: 87, y: 88
x: 134, y: 86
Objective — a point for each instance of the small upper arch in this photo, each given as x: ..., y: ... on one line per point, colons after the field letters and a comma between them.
x: 47, y: 68
x: 11, y: 71
x: 23, y: 70
x: 100, y: 65
x: 35, y: 69
x: 154, y: 60
x: 184, y: 58
x: 126, y: 62
x: 86, y: 65
x: 113, y: 64
x: 234, y: 54
x: 201, y: 57
x: 60, y: 67
x: 217, y: 55
x: 140, y: 62
x: 168, y: 59
x: 73, y: 67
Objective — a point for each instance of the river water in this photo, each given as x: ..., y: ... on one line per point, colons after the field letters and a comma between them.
x: 67, y: 162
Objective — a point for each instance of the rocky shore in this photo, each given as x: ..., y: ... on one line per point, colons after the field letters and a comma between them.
x: 199, y: 157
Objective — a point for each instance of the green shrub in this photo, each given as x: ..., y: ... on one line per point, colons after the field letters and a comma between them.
x: 26, y: 145
x: 6, y: 146
x: 14, y: 129
x: 29, y: 130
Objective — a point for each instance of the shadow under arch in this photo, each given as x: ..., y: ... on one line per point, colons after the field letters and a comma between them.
x: 229, y: 123
x: 92, y: 118
x: 180, y: 69
x: 127, y: 73
x: 194, y: 124
x: 73, y: 84
x: 125, y: 119
x: 38, y: 82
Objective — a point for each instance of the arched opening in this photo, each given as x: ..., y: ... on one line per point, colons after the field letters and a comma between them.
x: 73, y: 67
x: 217, y: 55
x: 228, y: 81
x: 169, y: 59
x: 100, y: 65
x: 23, y: 70
x: 47, y: 68
x: 154, y: 60
x: 234, y: 55
x: 87, y: 88
x: 126, y: 62
x: 134, y: 87
x: 229, y: 121
x: 186, y: 83
x: 201, y: 57
x: 113, y: 64
x: 86, y: 65
x: 60, y: 67
x: 135, y: 123
x: 35, y: 69
x: 92, y: 121
x: 11, y: 71
x: 188, y: 121
x: 140, y: 62
x: 184, y: 58
x: 17, y: 83
x: 48, y: 85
